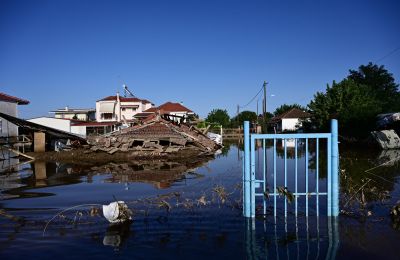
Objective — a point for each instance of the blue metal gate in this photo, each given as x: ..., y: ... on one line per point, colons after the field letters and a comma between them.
x: 255, y: 181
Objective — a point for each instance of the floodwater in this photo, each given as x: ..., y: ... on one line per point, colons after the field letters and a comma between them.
x: 53, y: 210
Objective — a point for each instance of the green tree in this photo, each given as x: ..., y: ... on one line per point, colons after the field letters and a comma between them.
x: 350, y: 103
x: 285, y: 107
x: 243, y: 116
x: 356, y: 101
x: 218, y: 116
x: 380, y: 83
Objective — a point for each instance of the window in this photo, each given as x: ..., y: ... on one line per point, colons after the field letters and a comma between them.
x: 107, y: 116
x: 123, y: 109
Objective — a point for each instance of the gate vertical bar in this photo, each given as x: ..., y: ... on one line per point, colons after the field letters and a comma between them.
x: 317, y: 175
x: 329, y: 182
x: 252, y: 177
x: 264, y: 176
x: 247, y: 199
x: 275, y: 192
x: 335, y: 168
x: 295, y: 172
x: 306, y: 177
x: 285, y: 176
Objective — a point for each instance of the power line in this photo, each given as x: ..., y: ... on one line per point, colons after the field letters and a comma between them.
x: 258, y: 93
x: 387, y: 55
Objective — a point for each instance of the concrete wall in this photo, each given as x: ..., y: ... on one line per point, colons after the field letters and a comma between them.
x: 98, y: 113
x: 80, y: 116
x: 130, y: 111
x: 290, y: 124
x: 146, y: 106
x: 118, y: 115
x: 60, y: 124
x: 79, y: 130
x: 7, y: 128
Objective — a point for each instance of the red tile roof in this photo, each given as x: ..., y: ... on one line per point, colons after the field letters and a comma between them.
x: 174, y: 107
x: 125, y: 99
x: 292, y: 113
x: 95, y: 123
x: 8, y: 98
x: 151, y: 110
x: 156, y: 129
x: 142, y: 115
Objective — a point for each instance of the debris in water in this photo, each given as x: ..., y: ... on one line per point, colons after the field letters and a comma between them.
x: 395, y: 212
x: 202, y: 201
x: 117, y: 212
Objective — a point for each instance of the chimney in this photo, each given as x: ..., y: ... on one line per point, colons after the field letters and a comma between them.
x: 118, y: 96
x: 66, y: 108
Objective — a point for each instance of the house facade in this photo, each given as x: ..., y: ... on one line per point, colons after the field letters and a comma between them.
x: 290, y: 120
x: 9, y: 106
x: 83, y: 114
x: 176, y: 110
x: 76, y: 127
x: 120, y: 109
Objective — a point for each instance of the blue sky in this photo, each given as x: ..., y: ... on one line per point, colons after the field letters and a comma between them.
x: 208, y: 54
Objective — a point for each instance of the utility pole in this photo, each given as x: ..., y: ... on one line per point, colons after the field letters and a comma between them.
x: 237, y: 115
x: 257, y: 108
x: 265, y: 107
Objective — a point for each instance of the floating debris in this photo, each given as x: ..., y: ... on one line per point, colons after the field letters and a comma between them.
x: 395, y: 213
x: 387, y: 139
x: 117, y: 212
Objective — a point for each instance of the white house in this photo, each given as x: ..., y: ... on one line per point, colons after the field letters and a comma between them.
x: 76, y: 127
x: 120, y: 109
x: 56, y: 123
x: 9, y: 106
x: 290, y: 120
x: 168, y: 108
x: 83, y: 114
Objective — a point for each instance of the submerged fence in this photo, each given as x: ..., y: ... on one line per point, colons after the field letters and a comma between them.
x: 257, y: 183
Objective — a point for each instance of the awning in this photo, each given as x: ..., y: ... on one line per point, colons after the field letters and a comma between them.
x: 107, y: 107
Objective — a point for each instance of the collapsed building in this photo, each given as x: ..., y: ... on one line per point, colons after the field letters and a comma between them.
x: 156, y: 134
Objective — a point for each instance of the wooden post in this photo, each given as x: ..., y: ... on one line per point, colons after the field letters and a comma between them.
x: 40, y: 171
x: 39, y: 142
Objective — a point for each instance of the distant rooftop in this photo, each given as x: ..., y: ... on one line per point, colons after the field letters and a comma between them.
x: 174, y: 107
x: 8, y: 98
x: 125, y: 99
x: 292, y: 113
x: 69, y: 110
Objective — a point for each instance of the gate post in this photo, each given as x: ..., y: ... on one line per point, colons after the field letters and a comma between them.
x: 246, y: 177
x: 335, y: 169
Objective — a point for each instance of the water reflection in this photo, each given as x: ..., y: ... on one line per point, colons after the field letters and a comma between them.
x: 9, y: 162
x: 117, y: 234
x: 297, y: 238
x: 161, y: 174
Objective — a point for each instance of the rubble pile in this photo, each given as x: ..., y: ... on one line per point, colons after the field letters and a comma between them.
x: 157, y: 136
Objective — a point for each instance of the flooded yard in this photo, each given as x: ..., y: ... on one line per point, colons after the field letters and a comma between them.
x: 193, y: 210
